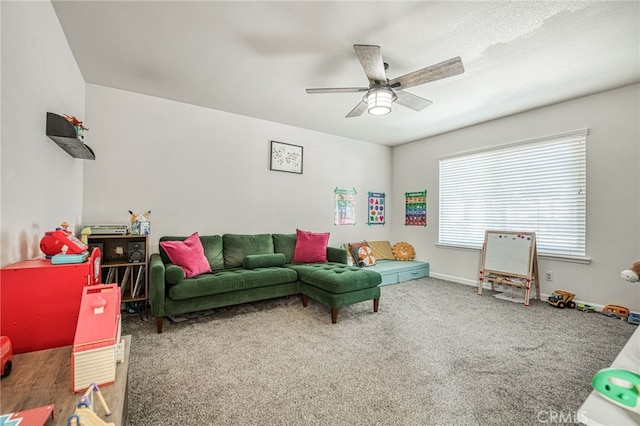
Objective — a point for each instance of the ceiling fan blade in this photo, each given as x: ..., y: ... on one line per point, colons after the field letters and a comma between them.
x: 339, y: 90
x: 358, y: 110
x: 412, y: 101
x: 435, y: 72
x: 372, y: 63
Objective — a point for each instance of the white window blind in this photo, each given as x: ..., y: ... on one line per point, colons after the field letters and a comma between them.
x: 537, y: 186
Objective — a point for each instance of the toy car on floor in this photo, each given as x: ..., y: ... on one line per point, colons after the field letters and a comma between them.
x: 616, y: 311
x: 584, y: 307
x: 561, y: 298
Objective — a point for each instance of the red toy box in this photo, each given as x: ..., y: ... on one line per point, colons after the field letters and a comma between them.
x: 95, y: 347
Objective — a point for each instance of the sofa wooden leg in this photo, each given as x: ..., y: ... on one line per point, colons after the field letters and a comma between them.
x: 376, y: 302
x: 159, y: 324
x: 305, y: 300
x: 334, y: 315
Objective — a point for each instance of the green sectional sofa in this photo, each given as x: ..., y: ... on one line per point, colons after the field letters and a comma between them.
x: 251, y: 267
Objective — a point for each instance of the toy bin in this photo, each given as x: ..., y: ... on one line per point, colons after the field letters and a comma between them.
x: 94, y: 353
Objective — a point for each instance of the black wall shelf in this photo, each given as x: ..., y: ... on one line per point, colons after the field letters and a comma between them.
x: 64, y: 134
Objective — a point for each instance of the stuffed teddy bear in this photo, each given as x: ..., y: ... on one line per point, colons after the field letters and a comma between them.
x: 632, y: 274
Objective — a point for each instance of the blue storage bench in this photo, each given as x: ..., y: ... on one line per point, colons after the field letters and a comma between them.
x: 393, y: 271
x: 396, y: 271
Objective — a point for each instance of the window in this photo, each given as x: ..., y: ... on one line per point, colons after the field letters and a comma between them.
x: 534, y: 186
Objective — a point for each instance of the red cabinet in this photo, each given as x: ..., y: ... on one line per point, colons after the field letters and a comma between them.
x: 39, y: 302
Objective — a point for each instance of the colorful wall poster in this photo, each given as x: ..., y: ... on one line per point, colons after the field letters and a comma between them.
x: 345, y: 206
x: 376, y: 208
x: 415, y: 208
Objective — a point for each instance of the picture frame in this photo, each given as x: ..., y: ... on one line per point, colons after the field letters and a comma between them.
x: 285, y: 157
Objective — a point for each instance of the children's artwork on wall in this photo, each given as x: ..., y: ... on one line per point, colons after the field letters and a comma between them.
x: 377, y: 212
x: 415, y: 208
x: 345, y: 206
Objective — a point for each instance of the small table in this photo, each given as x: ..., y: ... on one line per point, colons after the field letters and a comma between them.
x: 44, y: 377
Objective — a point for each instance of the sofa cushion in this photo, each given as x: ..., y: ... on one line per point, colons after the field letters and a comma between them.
x: 382, y: 250
x: 230, y: 280
x: 173, y: 274
x: 336, y: 277
x: 237, y: 246
x: 187, y: 254
x: 310, y: 247
x: 253, y: 261
x: 285, y: 244
x: 362, y: 254
x: 212, y: 245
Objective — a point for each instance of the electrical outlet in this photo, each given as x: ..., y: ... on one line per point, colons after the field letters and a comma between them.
x: 548, y: 275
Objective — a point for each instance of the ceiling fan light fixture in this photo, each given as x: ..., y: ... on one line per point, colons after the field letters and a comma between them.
x: 379, y: 101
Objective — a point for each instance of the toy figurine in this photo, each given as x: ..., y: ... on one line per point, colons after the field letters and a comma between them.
x: 85, y: 414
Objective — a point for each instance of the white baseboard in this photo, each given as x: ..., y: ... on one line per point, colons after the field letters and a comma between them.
x: 465, y: 281
x: 474, y: 283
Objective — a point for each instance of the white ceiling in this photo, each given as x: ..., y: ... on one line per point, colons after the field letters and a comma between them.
x: 257, y: 58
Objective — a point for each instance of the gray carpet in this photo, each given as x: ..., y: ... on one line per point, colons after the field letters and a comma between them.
x: 435, y: 354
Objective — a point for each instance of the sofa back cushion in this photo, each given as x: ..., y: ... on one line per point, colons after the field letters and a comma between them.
x: 310, y: 247
x: 237, y: 246
x: 187, y: 254
x: 285, y: 244
x: 253, y: 261
x: 212, y: 245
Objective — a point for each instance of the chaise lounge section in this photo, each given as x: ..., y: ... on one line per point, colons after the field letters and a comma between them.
x: 245, y: 268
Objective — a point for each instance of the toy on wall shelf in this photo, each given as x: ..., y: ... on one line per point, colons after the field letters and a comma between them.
x: 561, y: 298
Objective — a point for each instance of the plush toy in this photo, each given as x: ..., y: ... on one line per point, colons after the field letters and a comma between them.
x: 632, y: 274
x: 403, y: 251
x: 135, y: 217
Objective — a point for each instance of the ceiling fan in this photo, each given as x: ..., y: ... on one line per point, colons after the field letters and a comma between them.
x: 382, y: 92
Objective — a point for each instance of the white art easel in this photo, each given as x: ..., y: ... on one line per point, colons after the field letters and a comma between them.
x: 510, y: 258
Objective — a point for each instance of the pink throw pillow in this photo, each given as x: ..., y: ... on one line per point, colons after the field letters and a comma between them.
x: 187, y: 254
x: 310, y: 247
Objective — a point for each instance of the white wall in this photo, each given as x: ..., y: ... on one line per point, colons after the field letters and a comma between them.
x: 41, y: 183
x: 204, y: 170
x: 613, y: 192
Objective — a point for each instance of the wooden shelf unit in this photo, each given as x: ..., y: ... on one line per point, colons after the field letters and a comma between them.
x: 125, y: 261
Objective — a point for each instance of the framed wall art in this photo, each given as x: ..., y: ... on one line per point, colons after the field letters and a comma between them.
x: 285, y: 157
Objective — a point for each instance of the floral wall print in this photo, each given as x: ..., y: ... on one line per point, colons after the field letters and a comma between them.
x: 286, y: 157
